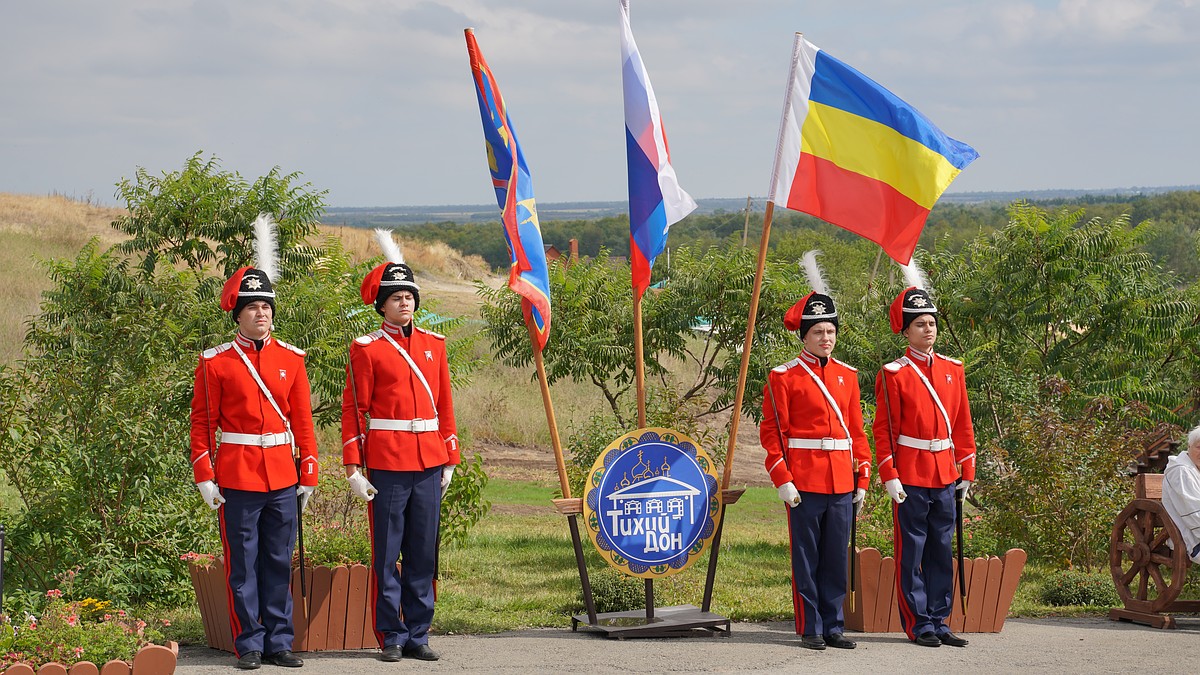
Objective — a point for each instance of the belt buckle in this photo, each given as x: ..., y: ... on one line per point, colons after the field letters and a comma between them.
x: 936, y: 445
x: 827, y: 443
x: 265, y: 440
x: 418, y: 425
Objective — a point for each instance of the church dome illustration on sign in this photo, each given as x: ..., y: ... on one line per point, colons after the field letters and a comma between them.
x: 651, y: 502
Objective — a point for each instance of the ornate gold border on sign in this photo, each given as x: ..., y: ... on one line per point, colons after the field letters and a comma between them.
x: 651, y: 502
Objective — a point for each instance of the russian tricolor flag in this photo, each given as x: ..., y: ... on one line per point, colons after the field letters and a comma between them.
x: 656, y: 202
x: 853, y: 154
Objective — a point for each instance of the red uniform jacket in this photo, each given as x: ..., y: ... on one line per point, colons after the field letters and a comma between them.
x: 227, y: 398
x: 386, y: 388
x: 912, y: 412
x: 805, y: 413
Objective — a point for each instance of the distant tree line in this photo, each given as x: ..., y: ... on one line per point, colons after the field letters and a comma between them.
x: 1172, y: 219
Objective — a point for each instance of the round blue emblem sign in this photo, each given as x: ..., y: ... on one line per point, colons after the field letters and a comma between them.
x: 651, y: 502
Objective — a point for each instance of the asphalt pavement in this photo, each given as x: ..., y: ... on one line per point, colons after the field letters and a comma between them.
x: 1083, y: 645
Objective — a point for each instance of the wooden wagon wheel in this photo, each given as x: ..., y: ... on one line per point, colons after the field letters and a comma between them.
x: 1148, y: 574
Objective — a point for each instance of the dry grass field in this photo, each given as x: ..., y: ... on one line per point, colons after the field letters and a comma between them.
x: 500, y: 411
x: 35, y: 228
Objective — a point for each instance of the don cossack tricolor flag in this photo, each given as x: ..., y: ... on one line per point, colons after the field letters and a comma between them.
x: 853, y: 154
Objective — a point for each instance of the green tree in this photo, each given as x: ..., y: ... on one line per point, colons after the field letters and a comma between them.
x: 1072, y: 339
x: 94, y: 422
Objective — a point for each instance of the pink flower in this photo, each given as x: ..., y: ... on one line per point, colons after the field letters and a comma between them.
x: 73, y: 620
x: 78, y: 652
x: 54, y: 593
x: 121, y: 613
x: 165, y: 622
x: 108, y: 617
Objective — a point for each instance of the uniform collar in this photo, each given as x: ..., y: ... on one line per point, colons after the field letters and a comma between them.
x: 919, y: 357
x: 812, y: 359
x: 246, y: 343
x: 397, y: 331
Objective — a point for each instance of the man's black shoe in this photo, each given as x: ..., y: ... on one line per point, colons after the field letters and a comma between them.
x: 421, y: 653
x: 812, y: 642
x: 928, y: 639
x: 250, y: 661
x: 391, y: 654
x: 839, y: 641
x: 285, y: 659
x: 952, y: 640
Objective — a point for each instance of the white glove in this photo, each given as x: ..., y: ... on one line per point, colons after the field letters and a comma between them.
x: 210, y: 493
x: 859, y: 494
x: 963, y: 486
x: 362, y: 487
x: 789, y: 494
x: 447, y: 474
x: 305, y: 492
x: 896, y: 490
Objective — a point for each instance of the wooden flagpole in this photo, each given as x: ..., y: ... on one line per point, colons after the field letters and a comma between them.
x: 639, y: 370
x: 639, y: 365
x: 737, y: 400
x: 563, y: 482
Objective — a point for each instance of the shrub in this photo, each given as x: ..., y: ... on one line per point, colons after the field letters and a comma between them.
x: 68, y: 632
x: 1073, y: 587
x: 616, y: 592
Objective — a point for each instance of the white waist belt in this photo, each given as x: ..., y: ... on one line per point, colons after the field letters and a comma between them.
x: 415, y: 426
x: 819, y: 443
x: 935, y: 445
x: 261, y: 440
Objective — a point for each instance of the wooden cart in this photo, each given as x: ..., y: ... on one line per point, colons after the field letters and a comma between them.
x: 1148, y: 572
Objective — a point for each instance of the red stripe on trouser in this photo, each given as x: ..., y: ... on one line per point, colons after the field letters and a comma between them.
x: 234, y: 623
x: 372, y: 582
x: 907, y: 619
x: 797, y: 601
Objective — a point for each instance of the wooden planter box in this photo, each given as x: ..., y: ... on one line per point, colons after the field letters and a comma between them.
x: 150, y: 660
x: 991, y: 584
x: 339, y: 615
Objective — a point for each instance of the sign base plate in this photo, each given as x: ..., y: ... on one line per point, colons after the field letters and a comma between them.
x: 677, y: 621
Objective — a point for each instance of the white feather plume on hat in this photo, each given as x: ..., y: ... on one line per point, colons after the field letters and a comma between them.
x: 266, y: 248
x: 812, y: 271
x: 388, y: 245
x: 915, y: 276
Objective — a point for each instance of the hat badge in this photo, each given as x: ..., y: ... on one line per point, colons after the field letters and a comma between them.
x: 817, y: 307
x: 398, y: 274
x: 919, y: 301
x: 253, y: 283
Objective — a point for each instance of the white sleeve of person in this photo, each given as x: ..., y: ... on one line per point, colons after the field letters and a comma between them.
x: 1181, y: 498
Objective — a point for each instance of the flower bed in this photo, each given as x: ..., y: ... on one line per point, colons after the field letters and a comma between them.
x: 73, y: 636
x: 338, y: 616
x: 991, y: 584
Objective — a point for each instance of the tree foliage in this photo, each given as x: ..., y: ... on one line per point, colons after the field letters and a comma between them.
x: 94, y: 421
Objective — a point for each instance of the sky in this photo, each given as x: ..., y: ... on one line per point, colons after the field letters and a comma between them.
x: 373, y: 101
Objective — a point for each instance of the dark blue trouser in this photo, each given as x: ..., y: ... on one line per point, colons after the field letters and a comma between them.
x: 820, y: 532
x: 258, y: 531
x: 924, y: 525
x: 404, y: 524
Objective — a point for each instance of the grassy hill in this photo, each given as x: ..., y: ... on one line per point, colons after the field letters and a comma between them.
x: 36, y: 228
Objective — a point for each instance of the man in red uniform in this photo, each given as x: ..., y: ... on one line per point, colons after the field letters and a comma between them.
x: 398, y: 422
x: 255, y: 390
x: 923, y: 434
x: 819, y: 460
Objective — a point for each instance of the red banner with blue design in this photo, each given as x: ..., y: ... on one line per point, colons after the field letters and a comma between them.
x: 528, y: 273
